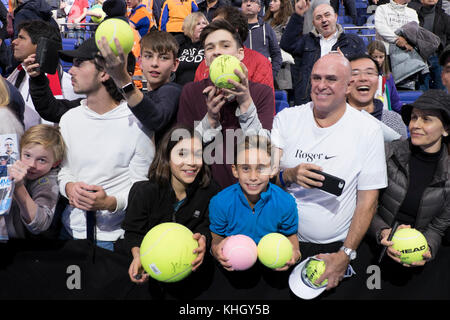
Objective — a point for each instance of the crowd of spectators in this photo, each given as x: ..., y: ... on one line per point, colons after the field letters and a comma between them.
x: 116, y: 144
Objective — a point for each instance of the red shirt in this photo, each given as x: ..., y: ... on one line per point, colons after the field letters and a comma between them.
x: 77, y: 10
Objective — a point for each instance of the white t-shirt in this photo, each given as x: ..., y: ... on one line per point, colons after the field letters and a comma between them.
x: 112, y: 150
x: 351, y: 149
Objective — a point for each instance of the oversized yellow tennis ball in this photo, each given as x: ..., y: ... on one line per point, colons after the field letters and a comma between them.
x: 167, y: 252
x: 98, y: 11
x: 274, y: 250
x: 222, y: 69
x: 116, y: 28
x: 314, y: 269
x: 411, y: 243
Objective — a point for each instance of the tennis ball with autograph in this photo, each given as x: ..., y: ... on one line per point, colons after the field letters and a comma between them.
x: 222, y: 68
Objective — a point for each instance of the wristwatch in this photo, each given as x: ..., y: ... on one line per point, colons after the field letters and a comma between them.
x: 129, y: 87
x: 349, y: 252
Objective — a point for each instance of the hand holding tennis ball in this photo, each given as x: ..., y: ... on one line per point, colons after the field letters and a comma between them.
x: 314, y: 270
x: 408, y: 246
x: 116, y: 28
x: 230, y: 78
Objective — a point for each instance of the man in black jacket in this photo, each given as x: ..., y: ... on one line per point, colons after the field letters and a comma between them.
x: 326, y: 36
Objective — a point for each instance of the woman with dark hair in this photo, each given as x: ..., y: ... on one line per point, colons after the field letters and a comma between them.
x: 418, y: 192
x: 278, y: 16
x: 178, y: 190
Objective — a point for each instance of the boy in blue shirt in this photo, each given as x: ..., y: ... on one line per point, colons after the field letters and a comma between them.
x: 254, y: 206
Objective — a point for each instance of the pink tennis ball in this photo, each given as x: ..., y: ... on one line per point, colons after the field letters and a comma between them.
x: 241, y: 252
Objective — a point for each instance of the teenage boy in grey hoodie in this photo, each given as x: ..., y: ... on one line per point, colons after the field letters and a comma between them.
x: 261, y: 36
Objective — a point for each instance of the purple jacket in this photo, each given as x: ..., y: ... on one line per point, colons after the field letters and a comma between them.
x: 396, y: 104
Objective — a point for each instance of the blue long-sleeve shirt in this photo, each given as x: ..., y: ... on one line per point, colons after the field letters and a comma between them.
x: 230, y: 213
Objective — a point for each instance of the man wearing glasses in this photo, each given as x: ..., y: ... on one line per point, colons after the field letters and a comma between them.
x: 364, y: 85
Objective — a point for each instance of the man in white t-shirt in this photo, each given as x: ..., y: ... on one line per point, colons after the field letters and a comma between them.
x: 108, y: 150
x: 329, y: 135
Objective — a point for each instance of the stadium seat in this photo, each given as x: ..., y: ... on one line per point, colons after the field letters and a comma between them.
x: 280, y: 105
x: 281, y: 95
x: 350, y: 26
x: 368, y: 34
x: 345, y: 19
x: 67, y: 44
x: 409, y: 96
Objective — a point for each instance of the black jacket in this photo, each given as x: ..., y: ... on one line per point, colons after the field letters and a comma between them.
x: 157, y: 111
x: 433, y: 215
x: 45, y: 103
x: 306, y: 51
x: 441, y: 25
x: 150, y: 205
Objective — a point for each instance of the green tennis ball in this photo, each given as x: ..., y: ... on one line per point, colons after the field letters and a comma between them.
x: 314, y: 269
x: 274, y: 250
x: 411, y: 243
x: 167, y: 252
x: 222, y: 69
x: 98, y: 11
x: 116, y: 28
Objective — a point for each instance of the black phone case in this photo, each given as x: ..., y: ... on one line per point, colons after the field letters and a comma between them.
x: 331, y: 184
x: 47, y: 55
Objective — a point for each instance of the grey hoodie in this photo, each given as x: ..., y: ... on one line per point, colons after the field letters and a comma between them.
x: 44, y: 191
x: 263, y: 39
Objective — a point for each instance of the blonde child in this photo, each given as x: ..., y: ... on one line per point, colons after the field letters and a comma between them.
x: 36, y: 191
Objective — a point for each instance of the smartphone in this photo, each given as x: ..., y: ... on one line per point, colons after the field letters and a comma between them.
x: 331, y: 184
x: 47, y: 55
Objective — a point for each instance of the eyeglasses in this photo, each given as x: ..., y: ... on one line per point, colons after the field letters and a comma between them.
x: 369, y: 73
